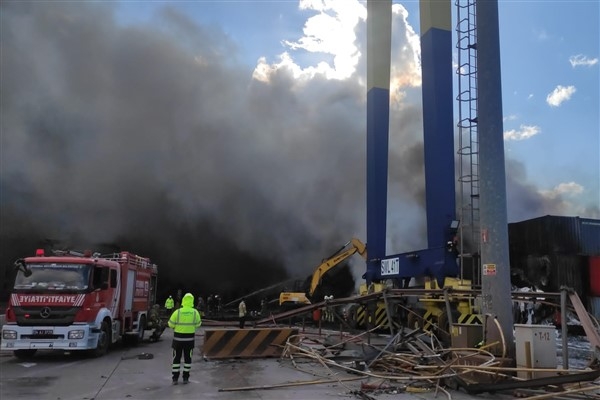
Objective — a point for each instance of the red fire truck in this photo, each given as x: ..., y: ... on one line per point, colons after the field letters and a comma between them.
x: 78, y: 301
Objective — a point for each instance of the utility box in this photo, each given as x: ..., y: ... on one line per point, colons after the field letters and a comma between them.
x: 466, y: 335
x: 535, y: 348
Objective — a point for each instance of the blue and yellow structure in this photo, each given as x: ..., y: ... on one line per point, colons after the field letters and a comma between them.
x: 438, y: 125
x: 436, y: 58
x: 379, y: 41
x: 439, y: 259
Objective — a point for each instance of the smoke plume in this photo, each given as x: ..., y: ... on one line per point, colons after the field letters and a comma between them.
x: 153, y: 138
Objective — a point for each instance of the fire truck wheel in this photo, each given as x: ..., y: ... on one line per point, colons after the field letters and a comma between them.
x: 103, y: 340
x: 142, y: 329
x: 24, y: 354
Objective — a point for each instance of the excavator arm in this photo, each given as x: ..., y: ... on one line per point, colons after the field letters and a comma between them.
x: 300, y: 298
x: 350, y: 248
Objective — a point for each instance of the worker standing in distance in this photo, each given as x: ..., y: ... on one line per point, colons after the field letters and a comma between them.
x: 264, y: 307
x: 242, y: 313
x: 169, y: 303
x: 328, y: 309
x: 184, y: 322
x: 200, y: 306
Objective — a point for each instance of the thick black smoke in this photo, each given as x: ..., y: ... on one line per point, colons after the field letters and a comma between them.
x: 151, y: 138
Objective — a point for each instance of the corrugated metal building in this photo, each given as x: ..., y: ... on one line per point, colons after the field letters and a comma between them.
x: 552, y: 234
x: 554, y: 251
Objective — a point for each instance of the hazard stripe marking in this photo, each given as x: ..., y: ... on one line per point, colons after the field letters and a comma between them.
x: 246, y: 343
x: 470, y: 319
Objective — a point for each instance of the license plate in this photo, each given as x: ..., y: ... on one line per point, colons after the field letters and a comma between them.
x: 43, y: 331
x: 42, y: 345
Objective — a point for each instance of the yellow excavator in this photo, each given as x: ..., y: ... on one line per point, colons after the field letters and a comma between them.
x: 299, y: 298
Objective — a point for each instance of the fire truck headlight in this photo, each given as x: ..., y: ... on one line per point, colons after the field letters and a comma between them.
x: 78, y: 334
x: 6, y: 334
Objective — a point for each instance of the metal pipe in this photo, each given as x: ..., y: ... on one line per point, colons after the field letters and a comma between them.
x: 563, y: 327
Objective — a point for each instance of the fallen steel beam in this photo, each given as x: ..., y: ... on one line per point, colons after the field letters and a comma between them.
x: 477, y: 388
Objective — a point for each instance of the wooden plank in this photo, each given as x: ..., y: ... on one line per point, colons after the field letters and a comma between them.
x: 586, y: 321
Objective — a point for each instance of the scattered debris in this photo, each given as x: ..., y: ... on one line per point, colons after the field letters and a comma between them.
x: 141, y: 356
x: 415, y: 361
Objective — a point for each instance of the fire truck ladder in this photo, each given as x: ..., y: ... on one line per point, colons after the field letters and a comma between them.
x: 468, y: 144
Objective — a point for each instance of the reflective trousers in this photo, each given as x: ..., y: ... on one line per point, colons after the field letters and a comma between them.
x: 186, y: 349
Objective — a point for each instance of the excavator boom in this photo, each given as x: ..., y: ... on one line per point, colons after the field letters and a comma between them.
x: 350, y: 248
x: 356, y: 247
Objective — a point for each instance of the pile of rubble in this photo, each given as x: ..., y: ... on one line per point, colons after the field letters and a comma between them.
x: 415, y: 361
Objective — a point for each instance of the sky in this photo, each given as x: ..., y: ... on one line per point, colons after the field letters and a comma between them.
x: 222, y: 137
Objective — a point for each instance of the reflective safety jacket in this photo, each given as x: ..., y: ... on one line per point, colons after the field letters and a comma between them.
x: 170, y: 303
x: 185, y: 320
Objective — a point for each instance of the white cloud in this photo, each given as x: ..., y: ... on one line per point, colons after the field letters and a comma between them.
x: 264, y: 70
x: 405, y: 63
x: 524, y: 132
x: 511, y: 117
x: 530, y: 96
x: 560, y: 94
x: 581, y: 60
x: 332, y: 31
x: 563, y: 189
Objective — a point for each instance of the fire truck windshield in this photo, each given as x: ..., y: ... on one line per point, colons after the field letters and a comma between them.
x: 54, y: 277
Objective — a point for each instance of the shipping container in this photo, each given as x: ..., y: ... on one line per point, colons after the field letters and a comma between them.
x: 590, y: 237
x: 555, y: 234
x: 594, y: 306
x: 551, y: 271
x: 594, y: 269
x: 545, y: 235
x: 552, y: 251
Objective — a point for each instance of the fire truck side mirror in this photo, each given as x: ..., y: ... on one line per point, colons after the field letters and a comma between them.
x: 20, y: 266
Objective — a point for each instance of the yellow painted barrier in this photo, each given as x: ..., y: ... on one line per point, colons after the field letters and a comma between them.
x: 245, y: 343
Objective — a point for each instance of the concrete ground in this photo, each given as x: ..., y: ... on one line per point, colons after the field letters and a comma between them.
x: 143, y: 372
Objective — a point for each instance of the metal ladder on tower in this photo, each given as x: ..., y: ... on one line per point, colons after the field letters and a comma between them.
x: 468, y: 148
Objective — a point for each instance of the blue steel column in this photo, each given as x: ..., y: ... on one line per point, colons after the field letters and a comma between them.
x: 379, y: 34
x: 495, y: 277
x: 438, y: 126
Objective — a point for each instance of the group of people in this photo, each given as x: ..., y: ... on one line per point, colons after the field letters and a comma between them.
x: 214, y: 305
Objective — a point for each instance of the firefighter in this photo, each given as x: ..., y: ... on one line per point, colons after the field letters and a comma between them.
x: 200, y: 306
x: 210, y: 304
x: 264, y: 307
x: 242, y: 313
x: 156, y: 322
x: 218, y: 305
x: 169, y: 303
x: 328, y: 309
x: 184, y: 321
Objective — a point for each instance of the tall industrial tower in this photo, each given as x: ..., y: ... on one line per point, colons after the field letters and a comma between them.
x: 483, y: 147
